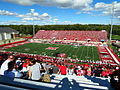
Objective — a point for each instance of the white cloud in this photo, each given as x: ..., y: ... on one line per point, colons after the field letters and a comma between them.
x: 55, y: 19
x: 8, y: 13
x: 35, y: 14
x: 106, y: 9
x: 30, y: 17
x: 67, y: 22
x: 84, y: 6
x: 102, y: 6
x: 14, y: 22
x: 75, y: 4
x: 21, y: 2
x: 32, y: 10
x: 119, y: 17
x: 103, y: 9
x: 45, y: 15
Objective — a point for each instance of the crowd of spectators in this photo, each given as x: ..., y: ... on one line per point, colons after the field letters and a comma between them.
x: 31, y: 68
x: 95, y: 36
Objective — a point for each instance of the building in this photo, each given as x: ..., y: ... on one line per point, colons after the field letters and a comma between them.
x: 7, y: 33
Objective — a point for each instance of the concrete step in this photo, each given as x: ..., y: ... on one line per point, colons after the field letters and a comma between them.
x: 64, y: 82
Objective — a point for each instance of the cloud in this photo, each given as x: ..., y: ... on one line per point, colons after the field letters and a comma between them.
x: 21, y: 2
x: 45, y: 15
x: 106, y: 9
x: 102, y: 9
x: 55, y: 19
x: 14, y: 22
x: 67, y: 22
x: 74, y: 4
x: 32, y: 15
x: 102, y: 6
x: 8, y: 13
x: 35, y: 16
x: 29, y: 17
x: 84, y: 6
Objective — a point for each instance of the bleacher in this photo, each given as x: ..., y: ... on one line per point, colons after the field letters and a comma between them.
x: 61, y: 82
x: 95, y: 36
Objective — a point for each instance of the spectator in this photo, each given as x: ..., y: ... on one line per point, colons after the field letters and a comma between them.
x: 25, y: 65
x: 8, y: 72
x: 70, y: 70
x: 89, y: 71
x: 63, y: 69
x: 1, y: 60
x: 105, y: 73
x: 18, y: 62
x: 79, y: 71
x: 55, y: 69
x: 34, y: 71
x: 97, y: 72
x: 49, y: 68
x: 115, y: 79
x: 16, y: 72
x: 75, y: 70
x: 4, y: 66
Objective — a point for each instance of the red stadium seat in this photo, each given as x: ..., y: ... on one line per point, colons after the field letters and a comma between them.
x: 95, y: 36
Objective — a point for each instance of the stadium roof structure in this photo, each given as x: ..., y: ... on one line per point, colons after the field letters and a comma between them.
x: 7, y: 30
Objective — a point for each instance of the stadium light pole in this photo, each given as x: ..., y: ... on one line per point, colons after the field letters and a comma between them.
x: 33, y: 28
x: 111, y: 29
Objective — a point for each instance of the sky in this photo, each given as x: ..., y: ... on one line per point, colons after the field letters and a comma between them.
x: 47, y: 12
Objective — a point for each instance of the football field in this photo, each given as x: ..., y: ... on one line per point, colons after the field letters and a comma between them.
x: 74, y: 52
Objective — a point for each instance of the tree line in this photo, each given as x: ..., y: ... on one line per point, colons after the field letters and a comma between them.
x: 28, y: 29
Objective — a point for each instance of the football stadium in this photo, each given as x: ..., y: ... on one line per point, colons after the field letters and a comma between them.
x: 69, y: 47
x: 60, y: 44
x: 90, y: 46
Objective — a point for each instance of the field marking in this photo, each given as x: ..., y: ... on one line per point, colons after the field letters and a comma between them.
x: 115, y: 59
x: 39, y: 48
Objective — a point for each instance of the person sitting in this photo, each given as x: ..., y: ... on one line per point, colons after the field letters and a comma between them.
x: 8, y: 72
x: 34, y: 71
x: 105, y: 73
x: 55, y: 69
x: 4, y: 65
x: 79, y: 71
x: 70, y: 70
x: 63, y: 70
x: 16, y: 71
x: 115, y: 79
x: 1, y: 60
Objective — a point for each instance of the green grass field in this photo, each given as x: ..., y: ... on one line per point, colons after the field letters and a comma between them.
x: 116, y: 51
x: 80, y: 52
x: 116, y: 37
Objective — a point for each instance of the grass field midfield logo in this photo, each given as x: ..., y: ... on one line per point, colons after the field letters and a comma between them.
x: 52, y: 48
